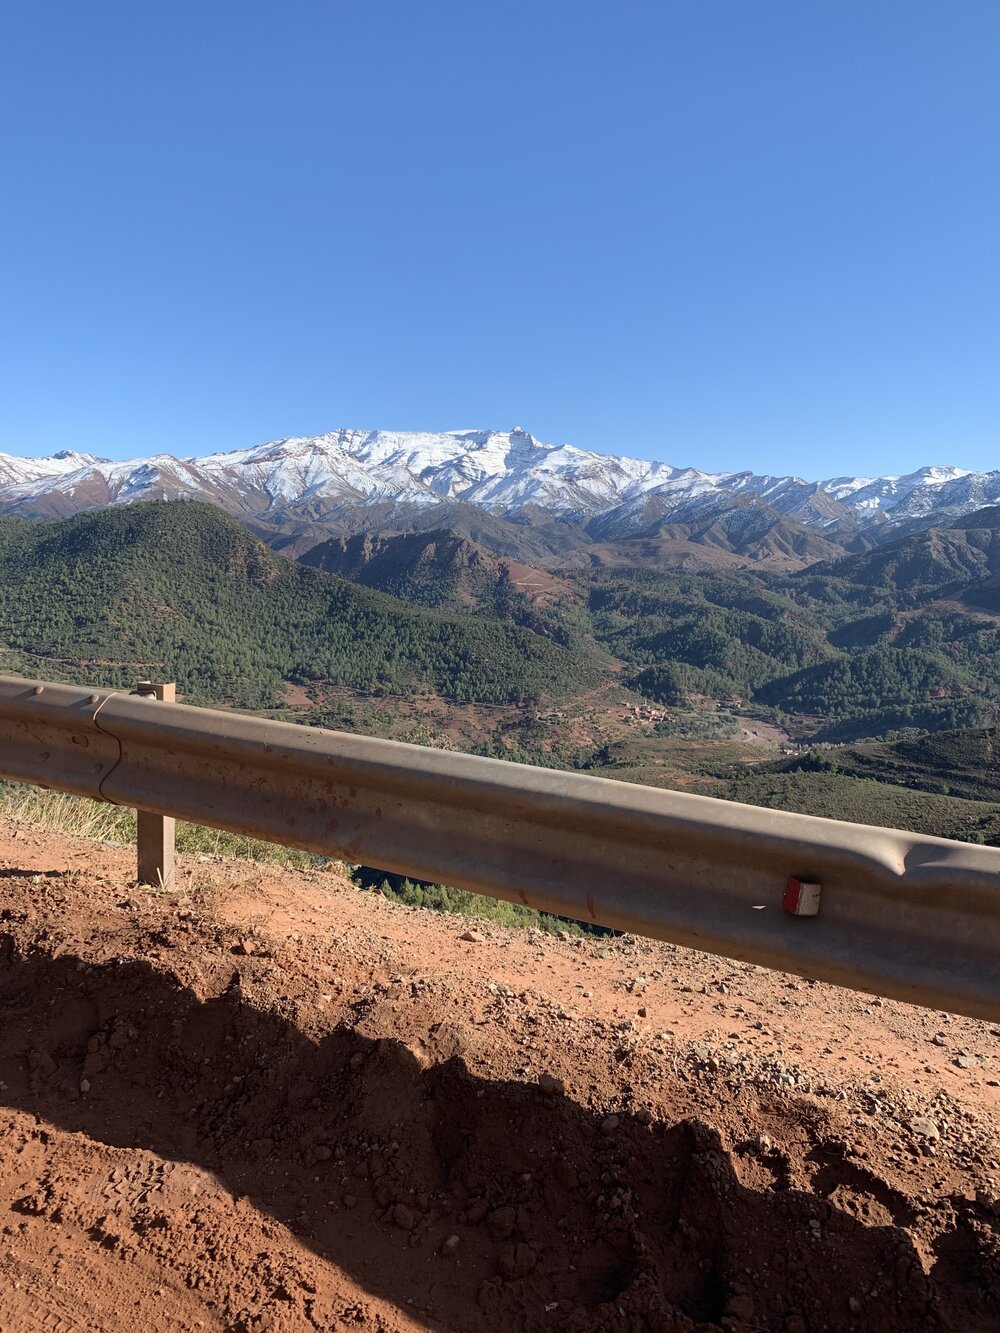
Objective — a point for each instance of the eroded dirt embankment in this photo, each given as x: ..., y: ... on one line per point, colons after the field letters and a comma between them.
x: 271, y: 1102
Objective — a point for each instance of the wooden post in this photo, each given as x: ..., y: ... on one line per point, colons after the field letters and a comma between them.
x: 155, y: 833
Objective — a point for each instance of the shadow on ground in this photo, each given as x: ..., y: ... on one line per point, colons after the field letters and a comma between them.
x: 565, y: 1220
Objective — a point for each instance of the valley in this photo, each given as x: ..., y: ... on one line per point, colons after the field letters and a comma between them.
x: 820, y: 686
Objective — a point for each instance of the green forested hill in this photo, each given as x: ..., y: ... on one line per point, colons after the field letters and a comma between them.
x: 957, y: 763
x: 942, y: 784
x: 885, y: 644
x: 719, y: 635
x: 936, y: 563
x: 874, y: 645
x: 183, y: 591
x: 898, y: 638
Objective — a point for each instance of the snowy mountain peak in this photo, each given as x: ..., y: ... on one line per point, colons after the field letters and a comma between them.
x: 510, y: 473
x: 14, y: 469
x: 71, y: 456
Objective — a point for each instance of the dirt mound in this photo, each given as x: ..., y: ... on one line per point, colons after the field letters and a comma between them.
x: 276, y: 1103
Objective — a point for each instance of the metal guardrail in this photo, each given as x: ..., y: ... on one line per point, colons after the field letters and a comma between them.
x: 901, y: 915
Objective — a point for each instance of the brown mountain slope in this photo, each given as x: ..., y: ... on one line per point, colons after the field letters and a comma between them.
x: 436, y: 568
x: 432, y: 567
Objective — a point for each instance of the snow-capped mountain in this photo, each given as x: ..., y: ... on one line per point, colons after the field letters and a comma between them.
x: 871, y: 494
x: 336, y: 478
x: 502, y: 471
x: 15, y: 470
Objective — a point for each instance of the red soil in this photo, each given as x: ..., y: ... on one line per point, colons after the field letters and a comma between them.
x: 269, y: 1101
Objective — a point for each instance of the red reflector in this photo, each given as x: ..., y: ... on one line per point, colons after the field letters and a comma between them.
x: 801, y: 897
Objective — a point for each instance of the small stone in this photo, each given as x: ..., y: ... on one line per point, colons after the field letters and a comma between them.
x: 740, y: 1307
x: 322, y: 1153
x: 40, y: 1062
x: 349, y: 1201
x: 85, y: 1085
x: 550, y: 1084
x: 644, y: 1115
x: 95, y: 1062
x: 502, y: 1222
x: 939, y: 1039
x: 853, y: 1304
x: 472, y: 937
x: 450, y: 1245
x: 403, y: 1217
x: 966, y: 1061
x: 517, y: 1261
x: 925, y: 1127
x: 609, y: 1124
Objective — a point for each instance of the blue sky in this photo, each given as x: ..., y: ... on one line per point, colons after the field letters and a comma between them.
x: 719, y: 233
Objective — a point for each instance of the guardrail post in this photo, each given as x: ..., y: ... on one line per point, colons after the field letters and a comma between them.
x: 155, y: 833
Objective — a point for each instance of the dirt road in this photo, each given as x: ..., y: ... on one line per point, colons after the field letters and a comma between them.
x: 269, y: 1101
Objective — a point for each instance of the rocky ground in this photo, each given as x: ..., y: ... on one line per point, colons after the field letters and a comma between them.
x: 269, y: 1101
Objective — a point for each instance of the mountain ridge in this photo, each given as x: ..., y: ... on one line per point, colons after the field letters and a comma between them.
x: 336, y: 482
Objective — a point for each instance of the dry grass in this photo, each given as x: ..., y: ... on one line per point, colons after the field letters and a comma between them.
x: 56, y: 812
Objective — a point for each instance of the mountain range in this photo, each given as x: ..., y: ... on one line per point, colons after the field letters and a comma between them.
x: 901, y: 636
x: 509, y: 492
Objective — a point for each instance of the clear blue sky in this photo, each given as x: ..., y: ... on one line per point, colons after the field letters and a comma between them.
x: 730, y: 233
